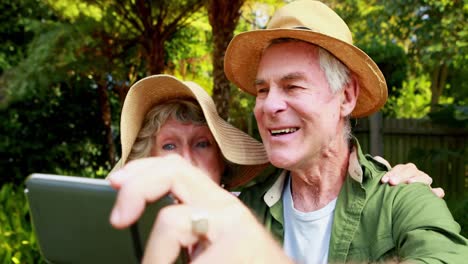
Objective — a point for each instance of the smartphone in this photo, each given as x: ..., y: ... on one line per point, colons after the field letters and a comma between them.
x: 70, y: 217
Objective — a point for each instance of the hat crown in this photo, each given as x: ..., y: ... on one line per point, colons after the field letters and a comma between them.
x: 313, y: 15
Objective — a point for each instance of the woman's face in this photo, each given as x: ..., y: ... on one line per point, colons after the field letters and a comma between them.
x: 194, y: 143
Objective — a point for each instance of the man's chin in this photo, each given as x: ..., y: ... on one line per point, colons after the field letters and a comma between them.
x: 281, y: 161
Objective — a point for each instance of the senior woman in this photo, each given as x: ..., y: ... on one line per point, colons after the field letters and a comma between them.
x: 163, y: 115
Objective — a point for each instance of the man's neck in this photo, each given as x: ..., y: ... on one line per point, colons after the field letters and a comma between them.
x: 321, y: 183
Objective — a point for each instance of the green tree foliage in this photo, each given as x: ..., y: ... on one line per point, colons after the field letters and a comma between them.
x: 98, y: 49
x: 189, y: 53
x: 412, y: 100
x: 50, y: 55
x: 146, y: 25
x: 56, y: 64
x: 435, y: 34
x: 413, y: 40
x: 15, y: 32
x: 52, y: 134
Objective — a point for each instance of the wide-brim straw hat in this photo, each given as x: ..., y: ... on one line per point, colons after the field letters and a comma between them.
x: 316, y: 23
x: 235, y: 145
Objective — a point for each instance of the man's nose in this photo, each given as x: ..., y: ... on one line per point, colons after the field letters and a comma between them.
x: 274, y: 102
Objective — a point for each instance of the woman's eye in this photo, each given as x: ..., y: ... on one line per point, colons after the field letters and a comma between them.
x: 203, y: 144
x: 168, y: 147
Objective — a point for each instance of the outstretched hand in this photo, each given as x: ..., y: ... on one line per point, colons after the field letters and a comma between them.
x: 233, y: 234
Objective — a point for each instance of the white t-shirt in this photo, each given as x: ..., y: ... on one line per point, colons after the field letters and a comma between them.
x: 306, y: 234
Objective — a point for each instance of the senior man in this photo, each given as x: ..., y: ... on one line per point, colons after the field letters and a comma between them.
x: 327, y: 204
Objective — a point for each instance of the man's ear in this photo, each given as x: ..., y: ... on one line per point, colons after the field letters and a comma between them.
x: 349, y: 97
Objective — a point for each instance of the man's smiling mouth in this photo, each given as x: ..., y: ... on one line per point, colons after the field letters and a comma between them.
x: 279, y: 132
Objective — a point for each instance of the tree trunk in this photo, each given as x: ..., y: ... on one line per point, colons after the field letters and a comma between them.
x: 438, y: 81
x: 221, y: 85
x: 106, y: 119
x: 121, y: 91
x: 156, y: 56
x: 223, y: 16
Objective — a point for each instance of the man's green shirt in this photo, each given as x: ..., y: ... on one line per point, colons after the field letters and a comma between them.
x: 373, y: 222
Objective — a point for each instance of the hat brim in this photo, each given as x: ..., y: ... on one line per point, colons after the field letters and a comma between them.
x: 245, y: 50
x: 235, y: 145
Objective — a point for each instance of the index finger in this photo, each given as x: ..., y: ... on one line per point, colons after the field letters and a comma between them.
x: 147, y: 180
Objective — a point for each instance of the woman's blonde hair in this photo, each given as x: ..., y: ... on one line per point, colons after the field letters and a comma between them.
x: 184, y: 111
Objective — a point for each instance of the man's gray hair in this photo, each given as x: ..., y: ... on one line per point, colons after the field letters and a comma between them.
x: 336, y: 72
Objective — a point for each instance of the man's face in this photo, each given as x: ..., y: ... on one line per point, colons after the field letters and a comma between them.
x: 298, y: 116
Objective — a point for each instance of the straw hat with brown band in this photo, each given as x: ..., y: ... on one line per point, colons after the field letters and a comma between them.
x: 316, y: 23
x: 235, y: 145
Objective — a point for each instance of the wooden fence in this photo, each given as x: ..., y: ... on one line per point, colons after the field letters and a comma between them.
x: 439, y: 151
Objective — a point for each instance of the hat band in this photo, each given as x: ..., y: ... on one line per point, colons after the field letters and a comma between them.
x: 302, y: 27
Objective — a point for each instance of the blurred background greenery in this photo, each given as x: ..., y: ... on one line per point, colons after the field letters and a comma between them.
x: 66, y: 66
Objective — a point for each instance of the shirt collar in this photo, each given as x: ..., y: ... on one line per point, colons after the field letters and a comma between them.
x: 354, y: 167
x: 275, y: 192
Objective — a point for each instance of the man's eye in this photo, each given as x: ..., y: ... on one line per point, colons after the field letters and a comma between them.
x: 262, y: 93
x: 262, y: 90
x: 168, y: 147
x: 203, y: 144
